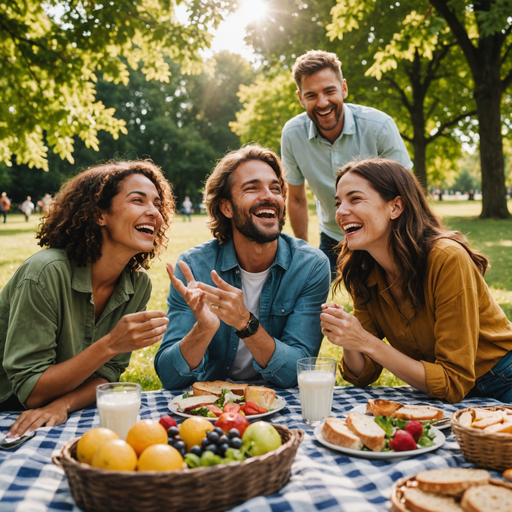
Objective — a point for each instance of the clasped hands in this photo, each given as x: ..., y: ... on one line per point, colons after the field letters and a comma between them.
x: 208, y: 303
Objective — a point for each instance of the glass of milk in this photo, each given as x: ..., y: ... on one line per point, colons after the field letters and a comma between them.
x: 316, y: 377
x: 118, y: 405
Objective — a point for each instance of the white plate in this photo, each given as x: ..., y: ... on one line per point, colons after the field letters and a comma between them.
x: 362, y: 410
x: 438, y: 442
x: 173, y: 407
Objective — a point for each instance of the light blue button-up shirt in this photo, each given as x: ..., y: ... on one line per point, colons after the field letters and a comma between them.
x: 307, y: 155
x: 290, y: 307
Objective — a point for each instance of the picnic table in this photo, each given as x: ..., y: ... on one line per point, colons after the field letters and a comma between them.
x: 321, y: 479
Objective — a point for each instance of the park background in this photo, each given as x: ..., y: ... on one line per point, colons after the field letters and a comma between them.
x: 86, y: 82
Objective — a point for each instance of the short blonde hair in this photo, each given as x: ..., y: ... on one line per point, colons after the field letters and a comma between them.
x: 218, y: 186
x: 313, y: 61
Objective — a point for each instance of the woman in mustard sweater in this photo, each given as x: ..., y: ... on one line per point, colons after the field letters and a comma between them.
x: 419, y: 286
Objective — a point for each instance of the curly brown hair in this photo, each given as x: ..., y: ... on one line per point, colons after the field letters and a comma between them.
x: 70, y: 222
x: 412, y: 237
x: 218, y: 186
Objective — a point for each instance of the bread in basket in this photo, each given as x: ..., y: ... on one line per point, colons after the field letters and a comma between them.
x: 214, y: 488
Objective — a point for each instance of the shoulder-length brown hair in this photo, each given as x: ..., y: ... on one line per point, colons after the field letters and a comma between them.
x: 412, y: 236
x: 70, y: 223
x: 218, y: 186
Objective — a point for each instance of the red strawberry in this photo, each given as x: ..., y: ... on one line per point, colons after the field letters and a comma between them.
x: 402, y: 442
x: 415, y: 428
x: 167, y: 422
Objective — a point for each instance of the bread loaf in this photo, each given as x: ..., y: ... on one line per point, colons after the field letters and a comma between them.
x: 264, y: 397
x: 379, y: 407
x: 216, y: 387
x: 451, y: 481
x: 335, y: 431
x: 418, y: 413
x: 487, y: 498
x: 417, y: 500
x: 367, y: 430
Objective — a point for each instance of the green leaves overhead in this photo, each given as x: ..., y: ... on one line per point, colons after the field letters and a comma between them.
x: 51, y: 53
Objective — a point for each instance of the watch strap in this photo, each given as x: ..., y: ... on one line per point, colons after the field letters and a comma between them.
x: 250, y: 329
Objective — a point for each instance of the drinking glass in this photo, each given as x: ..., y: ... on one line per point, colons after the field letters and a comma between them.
x: 118, y: 405
x: 316, y: 377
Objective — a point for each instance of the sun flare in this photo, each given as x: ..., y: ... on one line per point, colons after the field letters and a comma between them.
x: 251, y: 10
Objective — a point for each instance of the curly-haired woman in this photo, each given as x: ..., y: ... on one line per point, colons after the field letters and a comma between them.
x: 72, y: 314
x: 416, y: 284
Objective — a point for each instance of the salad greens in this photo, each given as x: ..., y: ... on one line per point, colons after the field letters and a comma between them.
x: 390, y: 425
x: 228, y: 396
x: 202, y: 411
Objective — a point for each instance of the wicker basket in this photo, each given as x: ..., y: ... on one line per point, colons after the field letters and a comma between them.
x: 397, y: 491
x: 213, y: 488
x: 491, y: 451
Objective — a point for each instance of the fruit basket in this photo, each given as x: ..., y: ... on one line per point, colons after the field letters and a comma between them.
x: 214, y: 488
x: 490, y: 451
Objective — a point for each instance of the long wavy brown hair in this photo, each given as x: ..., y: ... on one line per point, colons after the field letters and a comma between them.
x: 70, y: 223
x: 412, y: 236
x: 218, y: 186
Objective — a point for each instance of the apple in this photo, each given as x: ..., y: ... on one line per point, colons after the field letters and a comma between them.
x: 260, y: 438
x: 230, y: 420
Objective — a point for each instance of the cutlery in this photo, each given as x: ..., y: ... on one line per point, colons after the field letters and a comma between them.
x: 8, y: 443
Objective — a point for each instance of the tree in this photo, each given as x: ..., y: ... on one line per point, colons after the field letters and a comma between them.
x: 51, y: 53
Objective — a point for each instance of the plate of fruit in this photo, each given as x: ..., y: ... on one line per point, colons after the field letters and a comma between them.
x: 211, y: 399
x: 378, y: 437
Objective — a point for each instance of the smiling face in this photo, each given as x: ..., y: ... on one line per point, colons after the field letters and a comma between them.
x: 130, y: 226
x: 322, y: 95
x: 362, y: 214
x: 257, y: 207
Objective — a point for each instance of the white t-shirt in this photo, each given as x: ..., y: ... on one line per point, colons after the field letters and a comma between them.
x: 252, y: 285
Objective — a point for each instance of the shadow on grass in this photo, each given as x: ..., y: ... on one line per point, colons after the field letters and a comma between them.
x: 12, y: 232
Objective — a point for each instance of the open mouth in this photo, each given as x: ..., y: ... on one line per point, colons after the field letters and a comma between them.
x: 146, y: 229
x: 325, y: 113
x: 352, y: 228
x: 265, y: 213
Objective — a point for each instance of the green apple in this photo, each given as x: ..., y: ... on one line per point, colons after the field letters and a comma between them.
x: 260, y: 438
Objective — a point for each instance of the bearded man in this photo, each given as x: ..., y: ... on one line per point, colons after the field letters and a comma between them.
x: 245, y: 305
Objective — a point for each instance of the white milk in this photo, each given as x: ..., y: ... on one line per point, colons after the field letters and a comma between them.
x: 118, y: 411
x: 316, y: 390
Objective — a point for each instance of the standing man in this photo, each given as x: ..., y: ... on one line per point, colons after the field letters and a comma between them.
x: 5, y: 205
x: 328, y: 135
x: 187, y: 208
x: 246, y: 304
x: 27, y: 207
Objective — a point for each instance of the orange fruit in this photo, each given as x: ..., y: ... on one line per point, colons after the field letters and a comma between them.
x: 92, y: 441
x: 146, y: 433
x: 160, y: 457
x: 116, y: 455
x: 193, y: 430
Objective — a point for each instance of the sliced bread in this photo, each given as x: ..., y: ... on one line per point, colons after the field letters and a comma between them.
x: 367, y: 430
x: 466, y: 418
x: 451, y: 481
x: 418, y: 413
x: 261, y: 395
x: 216, y: 387
x: 187, y: 404
x: 499, y: 428
x: 417, y: 500
x: 335, y: 431
x: 486, y: 498
x: 379, y: 407
x: 493, y: 419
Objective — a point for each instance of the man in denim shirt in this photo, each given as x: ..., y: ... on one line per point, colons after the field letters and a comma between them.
x: 246, y: 304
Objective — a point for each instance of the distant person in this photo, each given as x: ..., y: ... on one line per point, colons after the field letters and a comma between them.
x: 245, y: 305
x: 471, y: 195
x: 328, y: 135
x: 187, y: 207
x: 47, y: 201
x: 419, y: 286
x: 5, y: 205
x: 72, y: 314
x: 27, y: 207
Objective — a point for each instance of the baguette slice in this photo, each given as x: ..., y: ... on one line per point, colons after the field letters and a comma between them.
x: 335, y: 431
x: 187, y: 404
x: 367, y: 430
x: 418, y: 413
x: 485, y: 498
x: 499, y: 428
x: 421, y: 501
x: 466, y: 418
x: 378, y: 407
x: 451, y: 481
x: 480, y: 414
x: 264, y: 397
x: 216, y: 387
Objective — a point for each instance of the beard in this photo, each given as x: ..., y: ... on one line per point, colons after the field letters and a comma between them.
x: 322, y: 125
x: 245, y: 225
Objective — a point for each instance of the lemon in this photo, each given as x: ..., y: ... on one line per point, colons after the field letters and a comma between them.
x: 116, y: 455
x: 193, y: 431
x: 92, y: 441
x: 146, y: 433
x: 160, y: 457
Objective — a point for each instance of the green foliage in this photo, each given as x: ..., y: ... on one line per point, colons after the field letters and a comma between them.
x: 52, y: 53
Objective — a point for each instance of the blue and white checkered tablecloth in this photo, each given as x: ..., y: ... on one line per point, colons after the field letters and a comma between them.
x: 321, y: 480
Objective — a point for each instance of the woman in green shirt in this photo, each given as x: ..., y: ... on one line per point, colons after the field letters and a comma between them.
x: 71, y: 315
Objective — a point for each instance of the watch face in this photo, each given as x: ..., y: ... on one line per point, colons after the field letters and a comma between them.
x: 251, y: 328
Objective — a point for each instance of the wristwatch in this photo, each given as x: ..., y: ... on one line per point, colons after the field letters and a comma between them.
x: 250, y: 328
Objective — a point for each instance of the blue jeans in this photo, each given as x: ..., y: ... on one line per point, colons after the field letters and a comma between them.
x: 327, y: 245
x: 497, y: 382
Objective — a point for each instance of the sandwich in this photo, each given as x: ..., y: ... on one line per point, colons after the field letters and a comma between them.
x: 262, y: 396
x: 216, y: 387
x: 187, y: 404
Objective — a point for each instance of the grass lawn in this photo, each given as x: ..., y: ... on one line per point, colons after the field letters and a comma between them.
x: 494, y: 238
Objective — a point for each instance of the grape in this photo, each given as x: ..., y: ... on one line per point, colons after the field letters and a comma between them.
x: 178, y: 438
x: 183, y: 452
x: 218, y: 430
x: 224, y: 439
x: 173, y: 432
x: 179, y: 445
x: 213, y: 437
x: 204, y: 443
x: 234, y: 432
x: 211, y: 448
x: 236, y: 443
x: 196, y: 450
x: 222, y: 449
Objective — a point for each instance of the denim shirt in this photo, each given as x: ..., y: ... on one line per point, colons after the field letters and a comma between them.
x: 290, y: 307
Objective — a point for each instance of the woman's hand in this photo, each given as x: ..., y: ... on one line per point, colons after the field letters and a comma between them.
x: 194, y: 297
x: 52, y: 414
x: 342, y: 329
